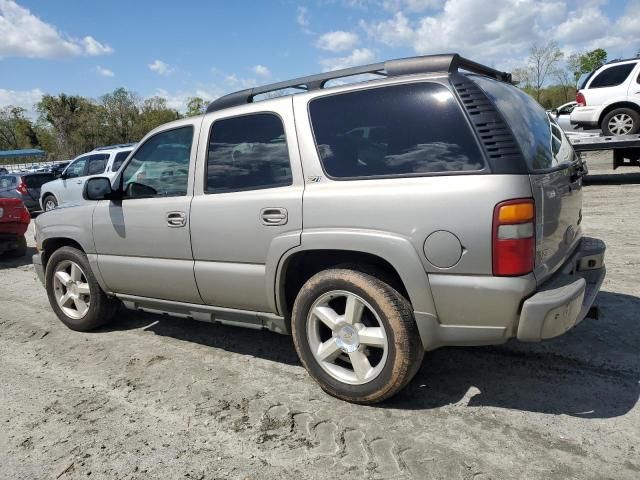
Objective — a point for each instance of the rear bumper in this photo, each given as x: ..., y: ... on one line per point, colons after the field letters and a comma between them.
x: 564, y: 300
x: 37, y: 265
x: 9, y: 242
x: 585, y: 116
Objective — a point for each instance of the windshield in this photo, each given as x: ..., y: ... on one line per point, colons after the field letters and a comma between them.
x: 584, y: 78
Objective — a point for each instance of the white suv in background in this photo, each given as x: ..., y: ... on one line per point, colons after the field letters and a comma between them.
x: 609, y: 98
x: 68, y: 188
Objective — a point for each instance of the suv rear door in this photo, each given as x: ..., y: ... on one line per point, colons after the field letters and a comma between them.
x: 555, y: 174
x: 247, y: 207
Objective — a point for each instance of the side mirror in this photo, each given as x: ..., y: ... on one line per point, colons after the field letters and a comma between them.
x: 98, y: 188
x: 555, y: 112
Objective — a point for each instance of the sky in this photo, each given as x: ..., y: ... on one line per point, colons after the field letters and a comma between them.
x: 208, y: 48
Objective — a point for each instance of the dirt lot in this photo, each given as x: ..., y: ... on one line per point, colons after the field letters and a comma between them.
x: 156, y: 397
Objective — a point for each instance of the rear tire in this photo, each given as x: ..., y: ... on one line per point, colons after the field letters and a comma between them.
x: 49, y: 202
x: 621, y: 121
x: 355, y: 335
x: 74, y: 293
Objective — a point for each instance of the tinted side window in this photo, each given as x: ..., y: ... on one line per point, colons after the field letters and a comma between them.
x: 36, y: 181
x: 7, y: 182
x: 77, y: 168
x: 396, y: 130
x: 160, y: 167
x: 612, y: 76
x: 119, y: 160
x: 97, y: 163
x: 528, y: 121
x: 247, y: 153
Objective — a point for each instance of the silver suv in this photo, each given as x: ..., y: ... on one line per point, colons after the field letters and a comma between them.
x: 371, y: 221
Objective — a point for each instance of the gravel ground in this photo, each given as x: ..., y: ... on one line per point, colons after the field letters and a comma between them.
x: 156, y: 397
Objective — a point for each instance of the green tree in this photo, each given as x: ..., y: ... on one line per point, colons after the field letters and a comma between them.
x: 153, y: 113
x: 196, y: 106
x: 16, y: 131
x: 580, y: 63
x: 120, y: 115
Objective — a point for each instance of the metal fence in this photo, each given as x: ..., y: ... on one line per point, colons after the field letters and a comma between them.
x: 29, y: 166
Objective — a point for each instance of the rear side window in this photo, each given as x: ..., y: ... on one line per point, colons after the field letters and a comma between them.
x: 528, y: 121
x: 247, y: 153
x: 8, y: 182
x: 413, y: 129
x: 97, y: 163
x: 36, y: 181
x: 612, y: 76
x: 119, y: 160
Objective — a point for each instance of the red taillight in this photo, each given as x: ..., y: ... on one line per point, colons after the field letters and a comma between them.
x: 25, y: 216
x: 580, y: 100
x: 513, y: 242
x: 22, y: 188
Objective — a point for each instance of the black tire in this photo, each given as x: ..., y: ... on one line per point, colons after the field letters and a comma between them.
x: 102, y: 308
x: 49, y: 198
x: 635, y: 117
x: 20, y: 250
x: 405, y: 350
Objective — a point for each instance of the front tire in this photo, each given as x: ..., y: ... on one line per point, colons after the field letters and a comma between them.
x: 355, y: 335
x: 74, y: 293
x: 621, y: 121
x: 49, y: 202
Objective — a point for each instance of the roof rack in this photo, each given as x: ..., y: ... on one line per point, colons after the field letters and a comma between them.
x: 446, y: 63
x: 111, y: 147
x: 618, y: 60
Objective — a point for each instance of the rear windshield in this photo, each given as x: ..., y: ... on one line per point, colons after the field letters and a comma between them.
x: 36, y: 181
x: 530, y: 125
x: 413, y: 129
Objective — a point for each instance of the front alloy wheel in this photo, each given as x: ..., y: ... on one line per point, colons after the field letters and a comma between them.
x: 71, y: 289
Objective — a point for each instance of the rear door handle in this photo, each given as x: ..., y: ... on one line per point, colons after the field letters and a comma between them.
x: 176, y: 219
x: 274, y: 216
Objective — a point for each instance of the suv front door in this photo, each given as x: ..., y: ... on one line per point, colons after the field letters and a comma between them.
x: 247, y: 210
x: 72, y: 180
x: 142, y: 241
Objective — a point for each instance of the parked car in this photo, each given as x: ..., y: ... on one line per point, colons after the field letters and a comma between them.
x: 609, y: 98
x: 58, y: 168
x: 14, y: 221
x: 68, y: 188
x: 458, y: 222
x: 25, y: 186
x: 562, y: 115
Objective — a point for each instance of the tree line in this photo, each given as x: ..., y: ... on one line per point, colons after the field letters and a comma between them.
x: 68, y: 125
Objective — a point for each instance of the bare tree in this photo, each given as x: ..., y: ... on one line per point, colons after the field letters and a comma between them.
x: 523, y: 77
x: 543, y: 61
x: 565, y: 80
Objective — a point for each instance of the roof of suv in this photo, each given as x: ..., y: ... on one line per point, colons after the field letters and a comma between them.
x: 119, y: 146
x: 445, y: 63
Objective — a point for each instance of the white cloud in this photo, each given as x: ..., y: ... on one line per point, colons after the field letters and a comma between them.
x: 236, y: 82
x: 411, y: 5
x: 303, y: 18
x: 94, y: 47
x: 501, y: 32
x: 24, y: 35
x: 21, y: 98
x: 161, y: 68
x: 105, y: 72
x: 178, y: 100
x: 261, y: 71
x: 360, y: 56
x: 337, y: 41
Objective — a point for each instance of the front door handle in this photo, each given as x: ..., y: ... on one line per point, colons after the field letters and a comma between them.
x: 274, y: 216
x: 176, y: 219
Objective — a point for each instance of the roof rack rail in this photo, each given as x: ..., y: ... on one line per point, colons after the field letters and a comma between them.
x: 117, y: 145
x: 451, y: 62
x: 618, y: 60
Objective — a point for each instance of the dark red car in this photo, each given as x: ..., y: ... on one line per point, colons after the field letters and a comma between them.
x: 14, y: 221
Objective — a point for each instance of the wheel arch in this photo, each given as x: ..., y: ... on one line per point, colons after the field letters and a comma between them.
x: 393, y: 256
x: 615, y: 106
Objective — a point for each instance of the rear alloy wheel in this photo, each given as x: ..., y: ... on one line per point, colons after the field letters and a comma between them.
x: 355, y: 335
x: 621, y: 121
x: 49, y: 203
x: 74, y: 293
